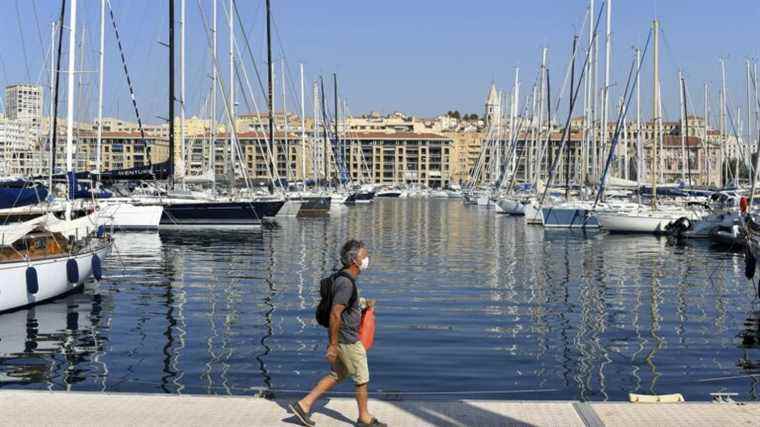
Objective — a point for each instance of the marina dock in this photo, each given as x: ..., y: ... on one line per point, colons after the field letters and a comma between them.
x: 84, y: 409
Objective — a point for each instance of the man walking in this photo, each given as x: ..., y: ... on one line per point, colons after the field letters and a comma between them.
x: 346, y: 354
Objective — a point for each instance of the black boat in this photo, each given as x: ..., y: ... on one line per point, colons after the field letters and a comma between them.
x: 361, y: 197
x: 391, y: 194
x: 219, y: 214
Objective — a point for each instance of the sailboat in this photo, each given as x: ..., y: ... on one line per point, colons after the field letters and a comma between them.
x: 652, y: 219
x: 122, y: 213
x: 46, y: 257
x: 311, y: 204
x: 181, y: 212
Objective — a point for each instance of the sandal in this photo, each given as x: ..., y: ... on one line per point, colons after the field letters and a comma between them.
x: 301, y: 414
x: 373, y: 423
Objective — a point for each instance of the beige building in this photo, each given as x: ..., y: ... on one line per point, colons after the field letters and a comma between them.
x: 465, y: 151
x: 704, y: 165
x: 411, y: 158
x: 24, y: 102
x: 378, y: 157
x: 119, y: 150
x: 398, y: 122
x: 18, y: 150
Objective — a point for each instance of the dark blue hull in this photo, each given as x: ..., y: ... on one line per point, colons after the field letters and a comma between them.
x: 219, y: 214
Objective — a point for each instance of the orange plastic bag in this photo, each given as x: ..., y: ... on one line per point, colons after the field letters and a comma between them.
x: 367, y: 328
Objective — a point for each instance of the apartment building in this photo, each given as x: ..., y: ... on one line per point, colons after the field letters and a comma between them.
x: 411, y: 158
x: 24, y: 102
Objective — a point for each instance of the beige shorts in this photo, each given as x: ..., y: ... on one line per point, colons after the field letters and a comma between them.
x: 352, y: 362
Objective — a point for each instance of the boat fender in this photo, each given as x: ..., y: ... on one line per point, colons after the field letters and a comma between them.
x: 72, y: 271
x: 101, y: 230
x: 97, y: 270
x: 32, y: 283
x: 750, y: 263
x: 743, y: 204
x: 679, y: 226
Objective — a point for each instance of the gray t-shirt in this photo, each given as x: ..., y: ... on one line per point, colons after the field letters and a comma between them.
x: 352, y: 316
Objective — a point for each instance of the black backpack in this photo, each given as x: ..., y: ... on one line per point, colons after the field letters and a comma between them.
x: 327, y: 292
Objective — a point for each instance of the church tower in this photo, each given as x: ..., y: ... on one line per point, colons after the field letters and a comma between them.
x: 493, y: 106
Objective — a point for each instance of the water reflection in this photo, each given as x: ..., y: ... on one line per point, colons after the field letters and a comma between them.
x: 468, y: 301
x: 749, y: 361
x: 56, y: 345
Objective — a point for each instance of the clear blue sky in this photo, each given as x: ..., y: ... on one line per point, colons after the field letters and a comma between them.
x: 421, y: 57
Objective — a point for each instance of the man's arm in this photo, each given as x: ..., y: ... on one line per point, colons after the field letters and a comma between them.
x: 335, y: 321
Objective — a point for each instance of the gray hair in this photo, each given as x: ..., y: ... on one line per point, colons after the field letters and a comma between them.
x: 350, y: 251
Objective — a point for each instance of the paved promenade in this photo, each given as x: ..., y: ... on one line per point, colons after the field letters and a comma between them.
x: 89, y: 409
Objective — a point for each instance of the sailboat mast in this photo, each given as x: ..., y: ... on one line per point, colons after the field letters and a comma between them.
x: 607, y: 63
x: 594, y: 68
x: 55, y: 88
x: 639, y: 148
x: 686, y: 126
x: 270, y: 77
x: 182, y: 148
x: 535, y: 104
x: 655, y: 107
x: 572, y: 86
x: 53, y: 96
x: 723, y: 130
x: 337, y: 137
x: 705, y: 125
x: 325, y: 155
x: 171, y: 94
x: 214, y: 78
x: 315, y: 133
x: 231, y: 29
x: 588, y: 127
x: 626, y: 141
x: 70, y: 105
x: 683, y: 124
x: 100, y: 85
x: 285, y: 121
x: 749, y: 107
x: 303, y: 129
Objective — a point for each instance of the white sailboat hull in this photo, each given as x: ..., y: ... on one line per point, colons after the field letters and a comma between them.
x: 616, y: 222
x: 511, y: 207
x: 126, y: 216
x: 533, y: 215
x: 51, y: 278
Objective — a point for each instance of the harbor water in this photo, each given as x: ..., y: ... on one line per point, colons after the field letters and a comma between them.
x: 470, y: 304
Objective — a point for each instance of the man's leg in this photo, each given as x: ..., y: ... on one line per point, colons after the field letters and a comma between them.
x: 323, y: 386
x: 361, y: 400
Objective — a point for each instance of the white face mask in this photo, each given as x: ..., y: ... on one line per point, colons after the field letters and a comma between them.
x: 365, y: 264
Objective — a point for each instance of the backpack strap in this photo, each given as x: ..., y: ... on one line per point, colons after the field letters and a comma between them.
x: 354, y: 294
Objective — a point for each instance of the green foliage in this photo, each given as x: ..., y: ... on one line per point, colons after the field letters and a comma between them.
x: 453, y: 114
